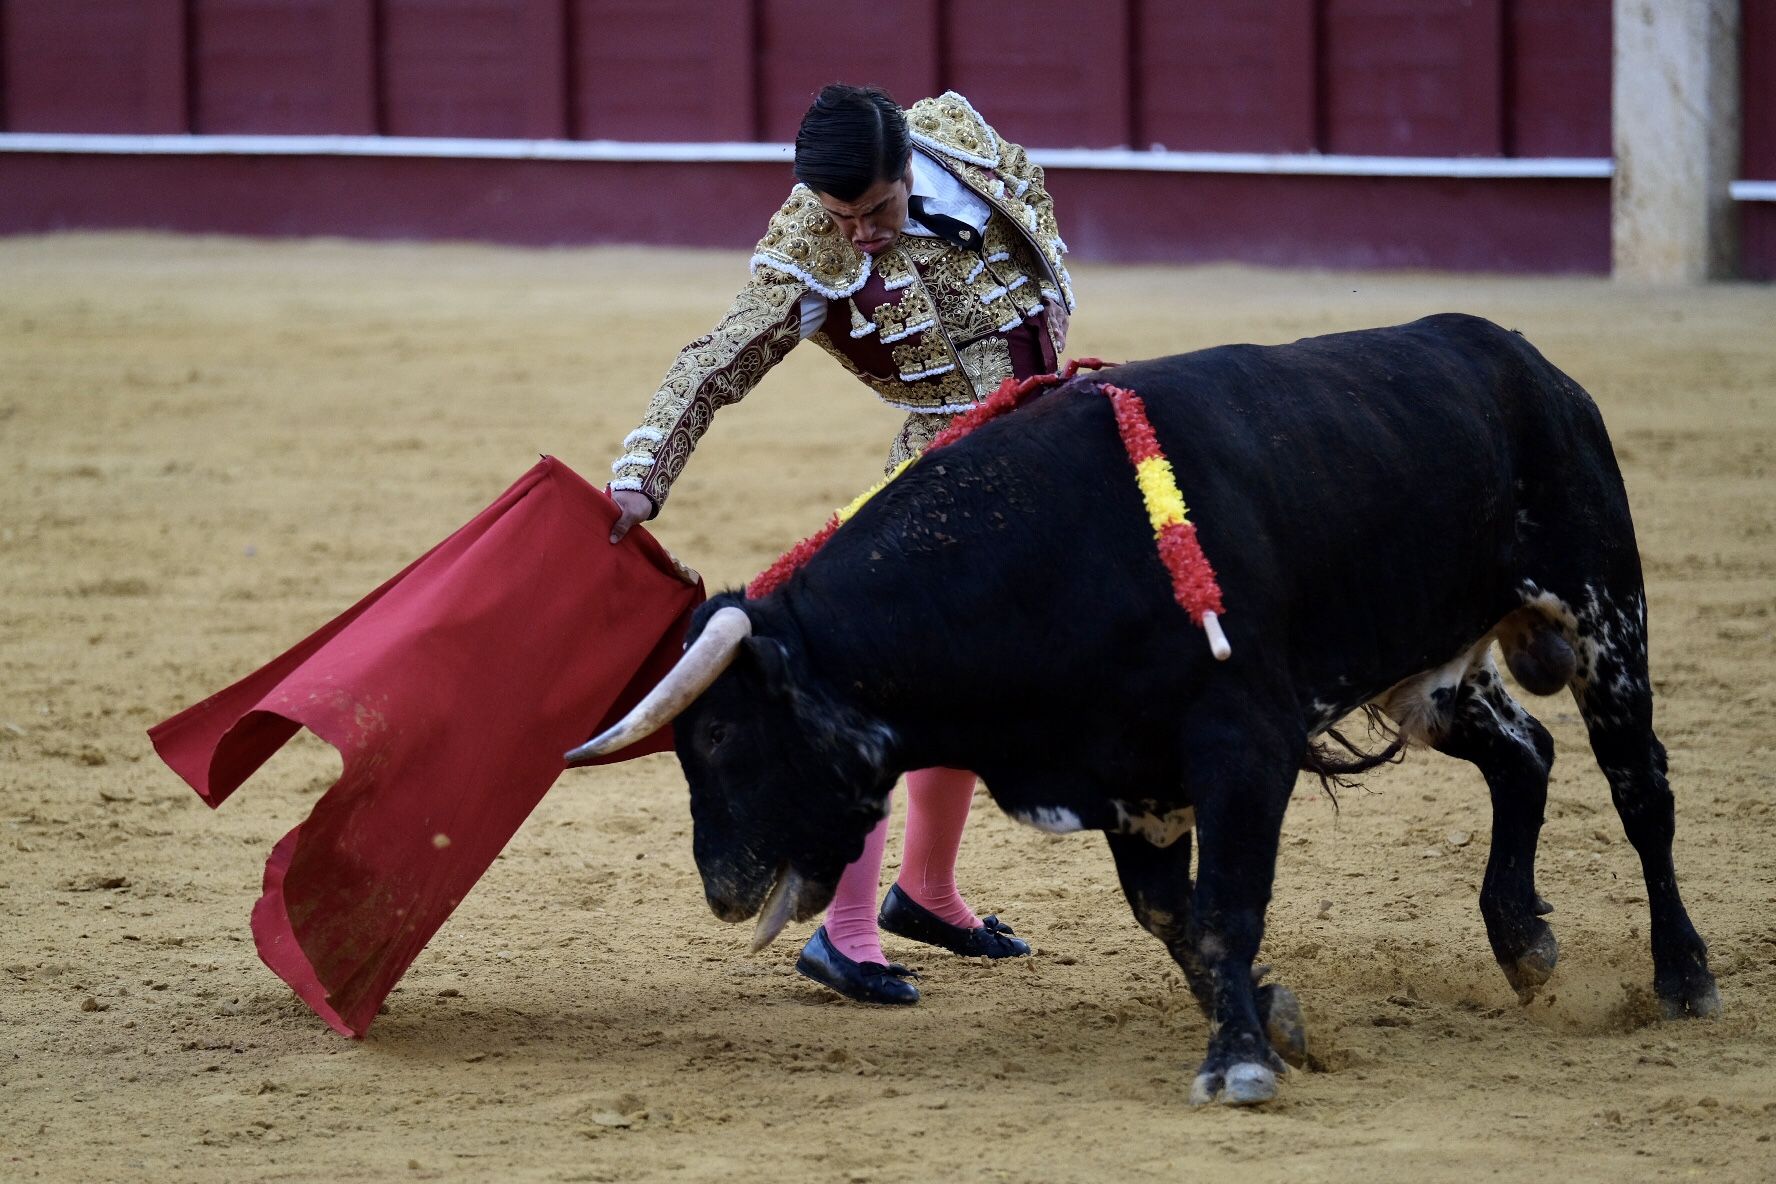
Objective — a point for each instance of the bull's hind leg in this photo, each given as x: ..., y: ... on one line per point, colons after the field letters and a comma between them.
x: 1156, y: 881
x: 1615, y: 696
x: 1491, y: 730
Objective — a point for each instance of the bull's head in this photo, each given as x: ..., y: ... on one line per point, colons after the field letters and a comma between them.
x: 786, y: 781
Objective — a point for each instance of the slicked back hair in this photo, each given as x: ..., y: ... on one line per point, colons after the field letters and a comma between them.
x: 851, y: 138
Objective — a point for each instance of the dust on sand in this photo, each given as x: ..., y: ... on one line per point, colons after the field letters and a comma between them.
x: 210, y: 447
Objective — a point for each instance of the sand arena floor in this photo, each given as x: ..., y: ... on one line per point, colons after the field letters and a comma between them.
x: 209, y: 447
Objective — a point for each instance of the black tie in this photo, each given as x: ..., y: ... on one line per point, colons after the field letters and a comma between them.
x: 951, y: 230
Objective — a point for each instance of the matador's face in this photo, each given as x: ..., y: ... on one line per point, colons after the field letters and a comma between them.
x: 874, y: 220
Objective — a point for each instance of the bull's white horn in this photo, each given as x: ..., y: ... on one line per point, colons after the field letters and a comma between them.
x: 778, y: 906
x: 1217, y: 639
x: 702, y: 664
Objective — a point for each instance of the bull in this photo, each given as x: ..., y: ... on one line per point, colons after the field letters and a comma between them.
x: 1381, y: 507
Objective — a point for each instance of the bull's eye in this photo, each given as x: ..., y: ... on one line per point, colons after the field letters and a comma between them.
x: 715, y: 735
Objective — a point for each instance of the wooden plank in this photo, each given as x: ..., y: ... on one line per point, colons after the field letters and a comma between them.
x: 1296, y: 77
x: 166, y: 62
x: 801, y: 49
x: 1397, y: 78
x: 1480, y: 79
x: 6, y: 71
x: 637, y: 76
x: 457, y: 68
x: 542, y: 60
x: 263, y: 66
x: 355, y: 87
x: 1558, y: 77
x: 1757, y: 79
x: 733, y: 71
x: 1226, y: 75
x: 1054, y: 77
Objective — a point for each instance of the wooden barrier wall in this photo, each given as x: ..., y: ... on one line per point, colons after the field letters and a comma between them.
x: 1380, y: 77
x: 1397, y: 78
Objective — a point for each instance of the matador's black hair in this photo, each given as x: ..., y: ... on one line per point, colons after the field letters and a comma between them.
x: 851, y: 138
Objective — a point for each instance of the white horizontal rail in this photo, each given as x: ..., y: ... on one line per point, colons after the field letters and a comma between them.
x: 1753, y: 190
x: 1116, y: 159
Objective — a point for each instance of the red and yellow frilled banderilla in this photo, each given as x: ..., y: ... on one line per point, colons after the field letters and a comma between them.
x: 1193, y: 579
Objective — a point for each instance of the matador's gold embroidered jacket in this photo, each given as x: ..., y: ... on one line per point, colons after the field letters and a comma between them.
x: 932, y: 328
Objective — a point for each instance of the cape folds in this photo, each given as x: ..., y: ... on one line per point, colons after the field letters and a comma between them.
x: 450, y: 692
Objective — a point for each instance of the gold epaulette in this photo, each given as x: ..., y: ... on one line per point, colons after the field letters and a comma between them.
x: 803, y: 242
x: 950, y: 125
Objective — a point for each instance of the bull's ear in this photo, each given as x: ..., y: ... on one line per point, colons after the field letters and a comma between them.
x: 773, y: 662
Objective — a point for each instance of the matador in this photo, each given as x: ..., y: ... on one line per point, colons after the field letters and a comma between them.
x: 918, y: 248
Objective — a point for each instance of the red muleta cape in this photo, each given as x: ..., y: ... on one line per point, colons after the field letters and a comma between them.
x: 451, y: 693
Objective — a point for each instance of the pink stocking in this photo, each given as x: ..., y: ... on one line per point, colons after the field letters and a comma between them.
x: 851, y: 918
x: 937, y: 810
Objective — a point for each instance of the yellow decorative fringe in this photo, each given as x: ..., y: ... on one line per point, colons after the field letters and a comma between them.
x: 1159, y: 489
x: 857, y: 502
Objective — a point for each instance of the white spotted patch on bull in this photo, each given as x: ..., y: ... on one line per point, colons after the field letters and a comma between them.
x: 1056, y: 820
x: 1609, y: 639
x: 1508, y: 718
x: 1613, y: 653
x: 1421, y: 706
x: 1160, y: 829
x: 1322, y: 715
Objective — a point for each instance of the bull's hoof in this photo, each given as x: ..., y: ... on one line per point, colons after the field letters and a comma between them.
x: 1699, y: 1000
x: 1245, y: 1084
x: 1283, y: 1023
x: 1529, y: 970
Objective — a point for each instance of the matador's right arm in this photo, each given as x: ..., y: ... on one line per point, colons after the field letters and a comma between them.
x: 760, y: 328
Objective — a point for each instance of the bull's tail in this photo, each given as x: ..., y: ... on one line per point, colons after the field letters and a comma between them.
x: 1339, y: 770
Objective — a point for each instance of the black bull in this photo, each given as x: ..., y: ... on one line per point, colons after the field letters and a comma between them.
x: 1380, y: 507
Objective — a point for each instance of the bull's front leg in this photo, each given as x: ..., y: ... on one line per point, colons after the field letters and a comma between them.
x: 1240, y: 772
x: 1156, y: 881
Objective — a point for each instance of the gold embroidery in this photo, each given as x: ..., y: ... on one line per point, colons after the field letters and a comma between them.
x: 1015, y: 189
x: 912, y: 313
x: 949, y: 389
x: 915, y: 436
x: 970, y: 298
x: 950, y: 124
x: 988, y: 363
x: 895, y: 268
x: 802, y: 241
x: 923, y: 356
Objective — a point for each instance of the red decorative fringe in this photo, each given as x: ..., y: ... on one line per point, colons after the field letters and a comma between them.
x: 1132, y: 422
x: 1008, y: 397
x: 1193, y: 578
x: 773, y: 577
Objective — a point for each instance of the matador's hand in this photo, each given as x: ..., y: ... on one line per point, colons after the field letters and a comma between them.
x: 1058, y: 320
x: 636, y: 507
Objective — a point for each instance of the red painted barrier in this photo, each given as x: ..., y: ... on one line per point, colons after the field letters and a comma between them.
x: 896, y: 46
x: 1389, y: 77
x: 1500, y: 225
x: 95, y: 66
x: 1757, y: 219
x: 1226, y: 76
x: 662, y: 70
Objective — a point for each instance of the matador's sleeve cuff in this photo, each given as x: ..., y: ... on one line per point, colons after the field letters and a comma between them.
x: 762, y: 326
